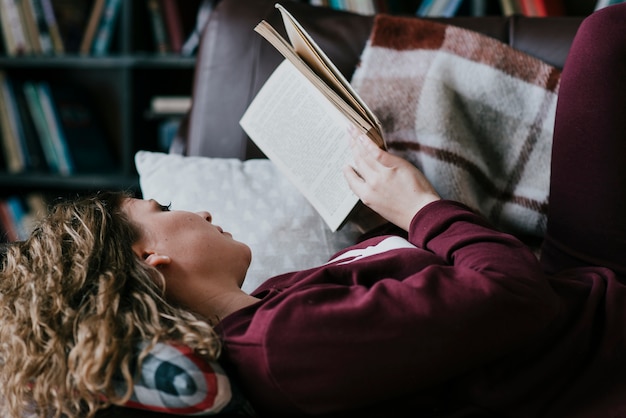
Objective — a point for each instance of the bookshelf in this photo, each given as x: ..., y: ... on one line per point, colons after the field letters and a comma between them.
x: 120, y: 84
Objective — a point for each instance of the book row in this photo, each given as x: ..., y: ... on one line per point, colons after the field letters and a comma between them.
x: 449, y: 8
x: 57, y: 27
x: 50, y: 128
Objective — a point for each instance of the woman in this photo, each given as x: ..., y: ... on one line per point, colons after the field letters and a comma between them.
x: 452, y: 318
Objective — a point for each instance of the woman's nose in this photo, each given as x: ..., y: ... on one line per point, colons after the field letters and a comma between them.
x: 206, y: 215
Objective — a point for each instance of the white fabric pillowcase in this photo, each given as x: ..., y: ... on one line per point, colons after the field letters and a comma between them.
x: 250, y: 199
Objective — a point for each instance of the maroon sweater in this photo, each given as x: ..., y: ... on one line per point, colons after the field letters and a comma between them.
x: 457, y: 320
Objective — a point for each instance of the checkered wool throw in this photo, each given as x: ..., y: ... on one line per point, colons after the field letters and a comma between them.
x: 473, y: 113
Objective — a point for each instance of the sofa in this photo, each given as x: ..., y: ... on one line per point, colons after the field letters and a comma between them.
x: 233, y: 63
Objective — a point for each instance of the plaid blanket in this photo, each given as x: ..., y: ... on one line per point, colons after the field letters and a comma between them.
x: 473, y: 113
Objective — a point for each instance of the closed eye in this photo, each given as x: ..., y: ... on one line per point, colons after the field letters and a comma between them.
x: 156, y: 206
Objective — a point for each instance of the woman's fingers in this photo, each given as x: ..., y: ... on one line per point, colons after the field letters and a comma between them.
x: 386, y: 183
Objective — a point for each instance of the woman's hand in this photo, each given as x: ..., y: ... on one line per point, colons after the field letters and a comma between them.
x: 388, y: 184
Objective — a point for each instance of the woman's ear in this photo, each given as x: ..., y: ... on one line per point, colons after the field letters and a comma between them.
x: 157, y: 260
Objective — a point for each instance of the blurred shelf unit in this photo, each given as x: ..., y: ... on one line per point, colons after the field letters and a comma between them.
x: 77, y: 80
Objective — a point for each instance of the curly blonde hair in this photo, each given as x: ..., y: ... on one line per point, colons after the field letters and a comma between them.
x: 75, y: 301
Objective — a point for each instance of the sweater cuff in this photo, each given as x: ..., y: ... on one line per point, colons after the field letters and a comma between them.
x: 436, y: 216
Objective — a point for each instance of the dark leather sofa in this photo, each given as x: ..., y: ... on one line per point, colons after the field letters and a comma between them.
x: 233, y: 63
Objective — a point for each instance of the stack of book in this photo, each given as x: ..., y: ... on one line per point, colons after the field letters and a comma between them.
x: 58, y: 27
x: 50, y: 128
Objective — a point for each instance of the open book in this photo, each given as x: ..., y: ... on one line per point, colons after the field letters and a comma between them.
x: 300, y: 120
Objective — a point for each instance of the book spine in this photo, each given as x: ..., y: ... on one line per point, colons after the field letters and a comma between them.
x: 53, y: 26
x: 173, y: 24
x: 104, y: 35
x: 32, y: 144
x: 11, y: 18
x: 13, y: 152
x: 17, y: 213
x: 158, y: 26
x: 30, y: 24
x: 84, y: 138
x: 437, y: 8
x: 7, y: 36
x: 478, y: 8
x: 509, y: 7
x: 15, y: 124
x: 92, y: 26
x: 39, y: 119
x: 45, y: 39
x: 424, y: 8
x: 452, y: 7
x: 554, y: 7
x: 8, y: 224
x: 56, y: 134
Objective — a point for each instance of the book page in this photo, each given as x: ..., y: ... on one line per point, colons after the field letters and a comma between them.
x: 313, y: 55
x: 306, y: 137
x: 357, y: 118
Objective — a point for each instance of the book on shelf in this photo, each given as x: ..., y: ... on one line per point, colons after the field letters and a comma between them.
x: 13, y: 154
x: 170, y: 105
x: 19, y: 215
x: 12, y: 215
x: 53, y: 125
x: 173, y: 24
x: 300, y: 120
x: 604, y: 3
x: 43, y: 32
x: 167, y: 130
x: 79, y: 129
x: 26, y: 141
x: 31, y: 93
x: 71, y: 138
x: 8, y: 226
x: 157, y: 23
x: 72, y: 17
x: 29, y: 22
x: 91, y: 27
x: 15, y: 38
x: 35, y: 159
x: 53, y: 26
x: 106, y: 27
x: 439, y: 8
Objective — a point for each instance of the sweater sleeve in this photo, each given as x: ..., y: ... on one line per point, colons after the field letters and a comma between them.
x: 465, y: 296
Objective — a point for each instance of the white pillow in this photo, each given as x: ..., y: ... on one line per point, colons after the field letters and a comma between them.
x: 253, y: 201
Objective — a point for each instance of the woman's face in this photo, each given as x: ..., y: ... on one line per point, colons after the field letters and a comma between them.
x: 196, y: 256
